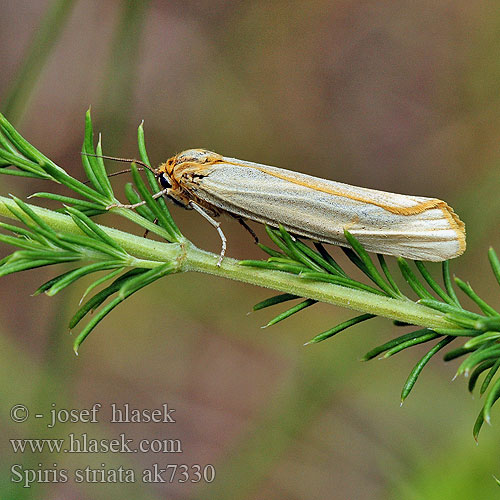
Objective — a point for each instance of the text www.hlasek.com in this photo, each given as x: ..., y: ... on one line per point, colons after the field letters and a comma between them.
x: 82, y: 443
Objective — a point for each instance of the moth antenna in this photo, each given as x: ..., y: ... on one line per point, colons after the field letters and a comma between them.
x: 117, y: 173
x: 126, y: 160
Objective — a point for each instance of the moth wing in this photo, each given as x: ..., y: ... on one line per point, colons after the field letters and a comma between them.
x: 408, y: 226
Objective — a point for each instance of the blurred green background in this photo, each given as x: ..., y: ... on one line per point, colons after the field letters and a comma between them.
x: 400, y: 96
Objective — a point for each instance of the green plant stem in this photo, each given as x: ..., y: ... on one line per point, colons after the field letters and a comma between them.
x: 43, y: 41
x: 191, y: 258
x: 135, y: 245
x: 124, y: 61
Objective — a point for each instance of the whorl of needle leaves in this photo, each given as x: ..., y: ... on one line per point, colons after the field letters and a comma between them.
x: 92, y: 248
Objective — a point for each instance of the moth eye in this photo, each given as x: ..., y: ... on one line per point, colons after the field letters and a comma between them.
x: 164, y: 181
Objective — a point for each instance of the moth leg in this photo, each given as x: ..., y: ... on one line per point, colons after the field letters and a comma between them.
x: 214, y: 223
x: 145, y: 235
x: 248, y: 228
x: 135, y: 205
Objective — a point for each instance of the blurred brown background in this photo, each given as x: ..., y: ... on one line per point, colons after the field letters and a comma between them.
x: 400, y: 96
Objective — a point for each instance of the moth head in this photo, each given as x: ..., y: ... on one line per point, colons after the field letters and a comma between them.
x: 193, y: 160
x: 164, y: 180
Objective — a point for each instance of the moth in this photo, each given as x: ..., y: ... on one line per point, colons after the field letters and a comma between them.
x: 407, y: 226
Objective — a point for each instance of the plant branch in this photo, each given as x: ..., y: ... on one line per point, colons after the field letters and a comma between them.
x: 130, y: 262
x: 191, y: 258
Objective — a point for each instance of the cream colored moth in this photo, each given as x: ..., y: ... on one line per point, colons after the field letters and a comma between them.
x: 408, y: 226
